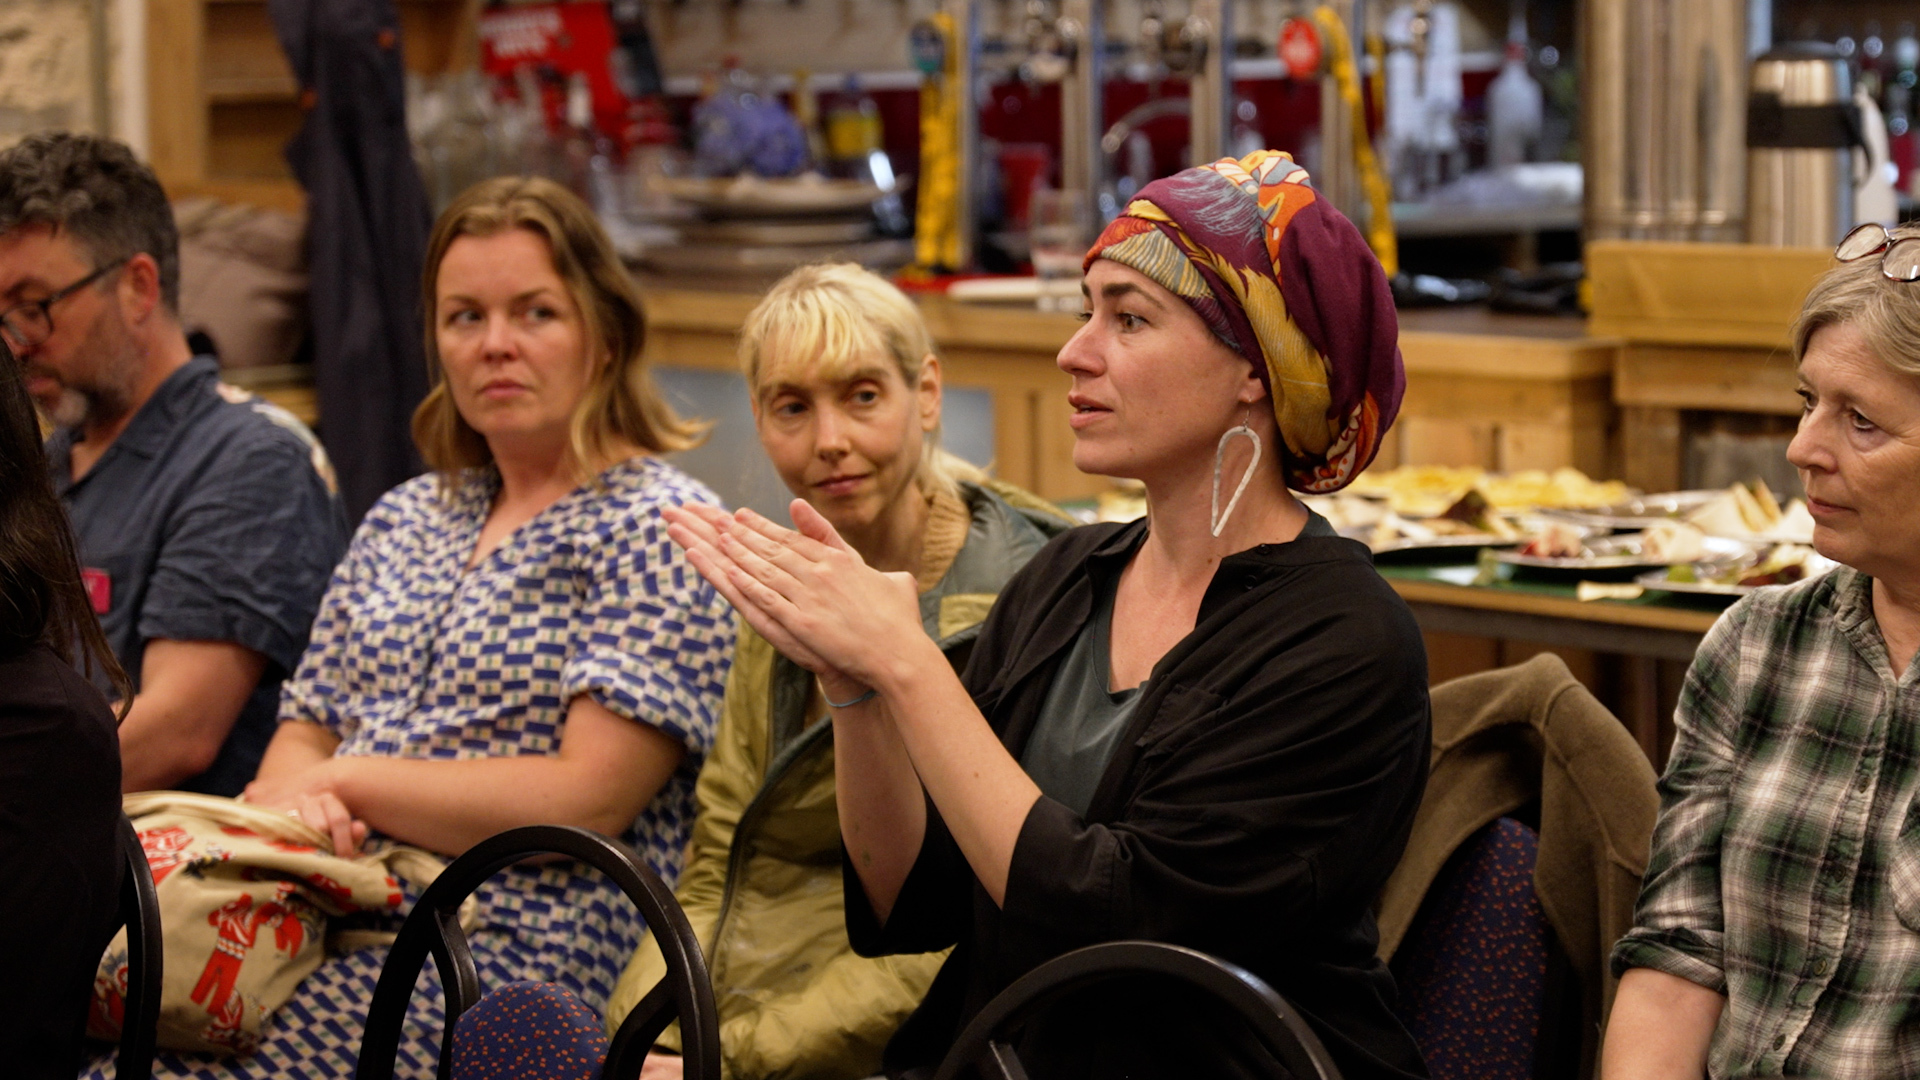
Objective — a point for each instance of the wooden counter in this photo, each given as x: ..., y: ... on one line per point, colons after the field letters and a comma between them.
x: 1504, y: 394
x: 1632, y: 654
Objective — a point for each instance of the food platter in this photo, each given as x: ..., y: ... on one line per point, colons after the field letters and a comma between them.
x: 1639, y: 511
x: 1419, y: 491
x: 1657, y: 579
x: 1622, y: 553
x: 1438, y: 543
x: 1815, y: 564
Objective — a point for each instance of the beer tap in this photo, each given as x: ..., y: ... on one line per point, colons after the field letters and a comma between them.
x: 1051, y: 39
x: 1153, y: 39
x: 1420, y: 29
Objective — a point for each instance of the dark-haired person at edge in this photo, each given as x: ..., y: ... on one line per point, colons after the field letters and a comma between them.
x: 1778, y: 927
x: 206, y: 518
x: 59, y: 765
x: 1209, y: 727
x: 511, y: 639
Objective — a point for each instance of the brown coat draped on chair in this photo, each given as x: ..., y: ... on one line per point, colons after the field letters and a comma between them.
x: 1501, y: 739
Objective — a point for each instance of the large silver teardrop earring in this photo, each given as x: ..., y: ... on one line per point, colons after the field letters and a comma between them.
x: 1220, y: 517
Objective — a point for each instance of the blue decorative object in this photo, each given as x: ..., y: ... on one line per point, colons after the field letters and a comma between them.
x: 738, y: 130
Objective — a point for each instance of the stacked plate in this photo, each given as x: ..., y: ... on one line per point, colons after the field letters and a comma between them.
x: 752, y: 227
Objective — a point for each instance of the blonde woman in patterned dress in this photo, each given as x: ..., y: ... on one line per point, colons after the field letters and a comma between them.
x: 511, y: 639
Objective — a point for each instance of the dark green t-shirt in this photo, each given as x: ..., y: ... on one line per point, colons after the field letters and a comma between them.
x: 1083, y: 719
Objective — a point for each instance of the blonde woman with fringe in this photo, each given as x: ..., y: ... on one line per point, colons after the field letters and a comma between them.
x: 846, y: 401
x: 511, y: 640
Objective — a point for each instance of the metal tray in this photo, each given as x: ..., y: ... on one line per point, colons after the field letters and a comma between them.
x: 1657, y: 579
x: 1622, y: 553
x: 1640, y: 511
x: 1441, y: 543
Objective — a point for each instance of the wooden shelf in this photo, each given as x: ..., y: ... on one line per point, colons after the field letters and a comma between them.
x: 224, y: 101
x: 252, y: 89
x: 1728, y: 295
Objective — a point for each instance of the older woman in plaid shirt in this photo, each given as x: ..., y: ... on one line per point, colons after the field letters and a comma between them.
x: 1778, y: 930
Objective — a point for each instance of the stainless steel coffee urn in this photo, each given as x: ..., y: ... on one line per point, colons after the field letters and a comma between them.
x: 1802, y: 131
x: 1662, y: 118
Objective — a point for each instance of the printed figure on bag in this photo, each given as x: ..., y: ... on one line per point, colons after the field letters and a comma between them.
x: 238, y: 923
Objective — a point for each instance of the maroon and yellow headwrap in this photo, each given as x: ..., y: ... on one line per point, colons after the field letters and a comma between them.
x: 1287, y: 281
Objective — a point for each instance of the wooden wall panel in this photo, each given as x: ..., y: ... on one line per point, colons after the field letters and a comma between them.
x: 177, y: 136
x: 1699, y: 294
x: 1708, y: 379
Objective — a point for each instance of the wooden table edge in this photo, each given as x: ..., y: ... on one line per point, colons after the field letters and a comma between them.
x: 1487, y: 599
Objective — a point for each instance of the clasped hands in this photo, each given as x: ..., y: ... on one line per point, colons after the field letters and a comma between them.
x: 805, y: 590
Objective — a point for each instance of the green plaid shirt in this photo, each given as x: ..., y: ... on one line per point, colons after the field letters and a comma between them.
x: 1786, y: 864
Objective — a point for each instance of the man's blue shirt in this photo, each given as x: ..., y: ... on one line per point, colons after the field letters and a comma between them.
x: 213, y: 517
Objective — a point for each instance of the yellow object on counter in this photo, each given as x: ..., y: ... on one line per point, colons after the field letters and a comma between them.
x: 1588, y: 591
x: 936, y: 236
x: 1425, y: 490
x: 1346, y: 75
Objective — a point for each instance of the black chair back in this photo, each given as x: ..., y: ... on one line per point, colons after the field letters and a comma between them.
x: 983, y: 1049
x: 146, y: 956
x: 433, y: 927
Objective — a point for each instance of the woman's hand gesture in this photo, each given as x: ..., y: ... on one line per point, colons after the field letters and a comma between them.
x: 808, y: 592
x: 309, y: 796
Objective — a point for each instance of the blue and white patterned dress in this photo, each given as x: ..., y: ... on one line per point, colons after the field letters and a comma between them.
x: 413, y: 656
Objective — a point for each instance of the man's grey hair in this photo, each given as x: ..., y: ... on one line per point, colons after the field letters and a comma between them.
x: 97, y: 192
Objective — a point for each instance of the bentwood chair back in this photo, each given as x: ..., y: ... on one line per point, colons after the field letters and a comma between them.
x: 140, y: 911
x: 983, y: 1049
x: 433, y: 928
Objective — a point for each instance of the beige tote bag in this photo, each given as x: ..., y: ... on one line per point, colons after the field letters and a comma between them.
x: 244, y: 895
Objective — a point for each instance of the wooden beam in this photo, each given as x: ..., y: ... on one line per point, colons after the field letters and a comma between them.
x: 1650, y: 448
x: 177, y: 112
x: 1725, y: 380
x: 1699, y: 294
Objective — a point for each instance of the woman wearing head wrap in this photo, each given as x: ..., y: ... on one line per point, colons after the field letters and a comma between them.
x: 1208, y: 727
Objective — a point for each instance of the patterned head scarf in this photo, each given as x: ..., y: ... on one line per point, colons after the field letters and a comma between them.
x: 1288, y: 282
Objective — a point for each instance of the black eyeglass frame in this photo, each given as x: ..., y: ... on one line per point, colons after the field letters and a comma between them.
x: 1905, y: 268
x: 9, y: 319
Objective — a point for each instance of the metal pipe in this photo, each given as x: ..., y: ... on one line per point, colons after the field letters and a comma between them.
x: 1211, y: 88
x: 1082, y: 166
x: 1603, y: 117
x: 1663, y: 118
x: 1723, y: 109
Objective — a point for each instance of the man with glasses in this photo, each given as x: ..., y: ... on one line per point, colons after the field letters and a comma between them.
x: 207, y: 519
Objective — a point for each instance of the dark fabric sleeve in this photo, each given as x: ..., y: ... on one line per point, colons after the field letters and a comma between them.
x: 59, y: 859
x: 1259, y: 814
x: 934, y: 905
x: 935, y: 902
x: 1679, y: 924
x: 248, y: 555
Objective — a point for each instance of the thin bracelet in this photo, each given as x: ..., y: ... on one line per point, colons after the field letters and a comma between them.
x: 832, y: 704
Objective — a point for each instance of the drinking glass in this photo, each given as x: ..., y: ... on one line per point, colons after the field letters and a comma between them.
x: 1057, y: 236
